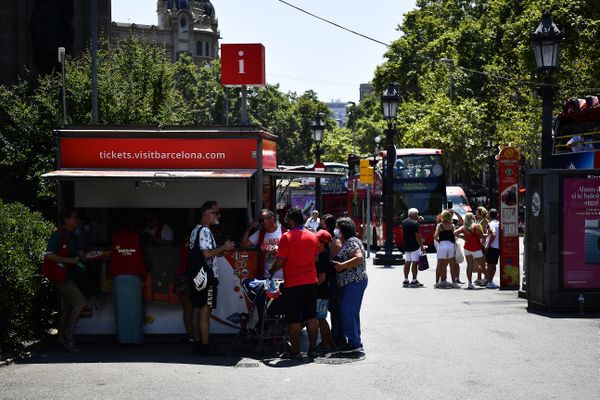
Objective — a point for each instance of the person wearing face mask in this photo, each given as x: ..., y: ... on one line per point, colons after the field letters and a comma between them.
x: 202, y: 272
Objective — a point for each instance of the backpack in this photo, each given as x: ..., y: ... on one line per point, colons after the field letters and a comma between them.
x: 197, y: 269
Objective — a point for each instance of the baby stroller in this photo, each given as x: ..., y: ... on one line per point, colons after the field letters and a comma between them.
x: 264, y: 323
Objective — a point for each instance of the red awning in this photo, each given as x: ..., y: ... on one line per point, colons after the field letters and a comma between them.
x: 72, y: 174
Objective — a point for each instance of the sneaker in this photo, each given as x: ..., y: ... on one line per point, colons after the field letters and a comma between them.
x: 446, y: 284
x: 455, y: 285
x: 483, y: 282
x: 458, y: 281
x: 416, y: 283
x: 290, y: 355
x: 321, y: 348
x: 437, y: 285
x: 406, y: 283
x: 470, y: 286
x: 477, y: 282
x: 312, y: 353
x: 351, y: 349
x: 491, y: 285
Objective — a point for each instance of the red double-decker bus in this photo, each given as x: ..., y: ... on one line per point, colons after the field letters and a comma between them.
x: 419, y: 182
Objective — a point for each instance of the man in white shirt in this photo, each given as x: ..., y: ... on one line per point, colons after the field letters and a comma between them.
x: 492, y: 253
x: 313, y: 222
x: 267, y: 240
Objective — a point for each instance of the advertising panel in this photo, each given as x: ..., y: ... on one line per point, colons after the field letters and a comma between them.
x: 581, y: 233
x: 171, y: 153
x: 508, y: 178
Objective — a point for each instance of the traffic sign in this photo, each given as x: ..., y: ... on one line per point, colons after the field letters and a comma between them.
x: 366, y: 172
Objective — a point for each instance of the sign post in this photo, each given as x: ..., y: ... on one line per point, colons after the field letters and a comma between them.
x: 367, y: 177
x: 508, y: 193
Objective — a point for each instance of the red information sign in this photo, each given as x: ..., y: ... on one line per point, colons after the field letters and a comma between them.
x: 243, y: 64
x: 508, y: 193
x: 171, y: 153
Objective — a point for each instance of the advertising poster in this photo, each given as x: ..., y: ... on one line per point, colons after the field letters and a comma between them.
x: 508, y: 178
x: 581, y: 233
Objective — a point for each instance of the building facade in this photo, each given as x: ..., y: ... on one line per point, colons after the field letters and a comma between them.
x: 189, y: 26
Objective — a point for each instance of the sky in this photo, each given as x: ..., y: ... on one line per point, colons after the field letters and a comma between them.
x: 301, y: 51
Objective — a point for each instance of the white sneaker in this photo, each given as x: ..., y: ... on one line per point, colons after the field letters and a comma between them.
x: 491, y: 285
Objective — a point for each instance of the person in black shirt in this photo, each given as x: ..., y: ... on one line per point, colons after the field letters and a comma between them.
x: 324, y: 269
x: 413, y: 246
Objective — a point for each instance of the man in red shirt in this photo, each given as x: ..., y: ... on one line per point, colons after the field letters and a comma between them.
x: 297, y: 254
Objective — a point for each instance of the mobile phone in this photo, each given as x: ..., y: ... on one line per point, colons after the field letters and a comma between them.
x: 449, y: 206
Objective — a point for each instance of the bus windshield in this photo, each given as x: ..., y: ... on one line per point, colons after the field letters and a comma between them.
x: 419, y: 183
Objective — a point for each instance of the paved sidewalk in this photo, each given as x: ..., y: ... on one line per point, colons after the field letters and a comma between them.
x: 420, y: 344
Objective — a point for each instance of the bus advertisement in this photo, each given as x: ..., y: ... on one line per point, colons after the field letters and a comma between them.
x: 419, y: 182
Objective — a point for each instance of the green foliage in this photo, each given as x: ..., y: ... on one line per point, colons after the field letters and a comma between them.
x: 24, y: 299
x: 492, y: 36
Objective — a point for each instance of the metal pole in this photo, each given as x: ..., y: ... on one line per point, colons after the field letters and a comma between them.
x: 389, y: 190
x: 369, y: 233
x: 244, y: 106
x: 61, y: 52
x: 94, y: 34
x: 547, y: 93
x: 318, y: 204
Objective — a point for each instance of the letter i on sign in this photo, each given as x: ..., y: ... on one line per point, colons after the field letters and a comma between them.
x: 241, y: 63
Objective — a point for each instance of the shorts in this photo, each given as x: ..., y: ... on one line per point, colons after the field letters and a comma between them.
x: 412, y: 256
x: 492, y: 255
x: 300, y: 303
x: 71, y: 294
x: 445, y: 250
x: 474, y: 254
x: 322, y: 306
x: 207, y: 296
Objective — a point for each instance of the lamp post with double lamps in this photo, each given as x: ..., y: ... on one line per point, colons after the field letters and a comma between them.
x: 318, y: 127
x: 546, y: 41
x: 389, y: 255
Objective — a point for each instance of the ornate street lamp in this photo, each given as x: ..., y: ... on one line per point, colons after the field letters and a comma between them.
x: 546, y: 41
x: 318, y: 127
x: 390, y: 100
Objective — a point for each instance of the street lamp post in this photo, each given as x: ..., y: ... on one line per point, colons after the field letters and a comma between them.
x: 546, y: 41
x: 318, y: 127
x: 61, y: 60
x: 389, y: 256
x: 491, y: 173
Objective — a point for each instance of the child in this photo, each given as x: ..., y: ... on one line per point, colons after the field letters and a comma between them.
x: 323, y: 269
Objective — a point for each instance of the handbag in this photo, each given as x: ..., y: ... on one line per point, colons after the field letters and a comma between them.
x: 198, y: 272
x: 423, y: 262
x: 54, y: 271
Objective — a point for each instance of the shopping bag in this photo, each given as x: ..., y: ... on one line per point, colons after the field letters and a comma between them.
x: 458, y: 253
x: 423, y: 262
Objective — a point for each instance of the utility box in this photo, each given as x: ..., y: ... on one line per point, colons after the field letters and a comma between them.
x: 562, y: 240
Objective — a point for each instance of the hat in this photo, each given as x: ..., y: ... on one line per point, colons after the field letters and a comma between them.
x: 323, y: 236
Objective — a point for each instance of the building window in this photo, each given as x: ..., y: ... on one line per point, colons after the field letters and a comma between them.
x: 199, y: 48
x: 207, y: 49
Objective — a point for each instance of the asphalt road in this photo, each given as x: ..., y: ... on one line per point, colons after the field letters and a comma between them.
x: 420, y: 344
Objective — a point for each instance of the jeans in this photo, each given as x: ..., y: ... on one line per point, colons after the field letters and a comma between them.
x: 351, y: 297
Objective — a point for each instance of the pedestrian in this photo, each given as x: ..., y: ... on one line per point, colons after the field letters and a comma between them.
x: 444, y: 235
x: 156, y: 231
x: 62, y: 253
x: 328, y: 222
x: 127, y: 271
x: 481, y: 217
x: 413, y: 246
x: 352, y: 281
x: 266, y: 238
x: 472, y: 235
x: 203, y: 274
x: 324, y: 268
x: 492, y: 253
x: 297, y: 255
x: 313, y: 223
